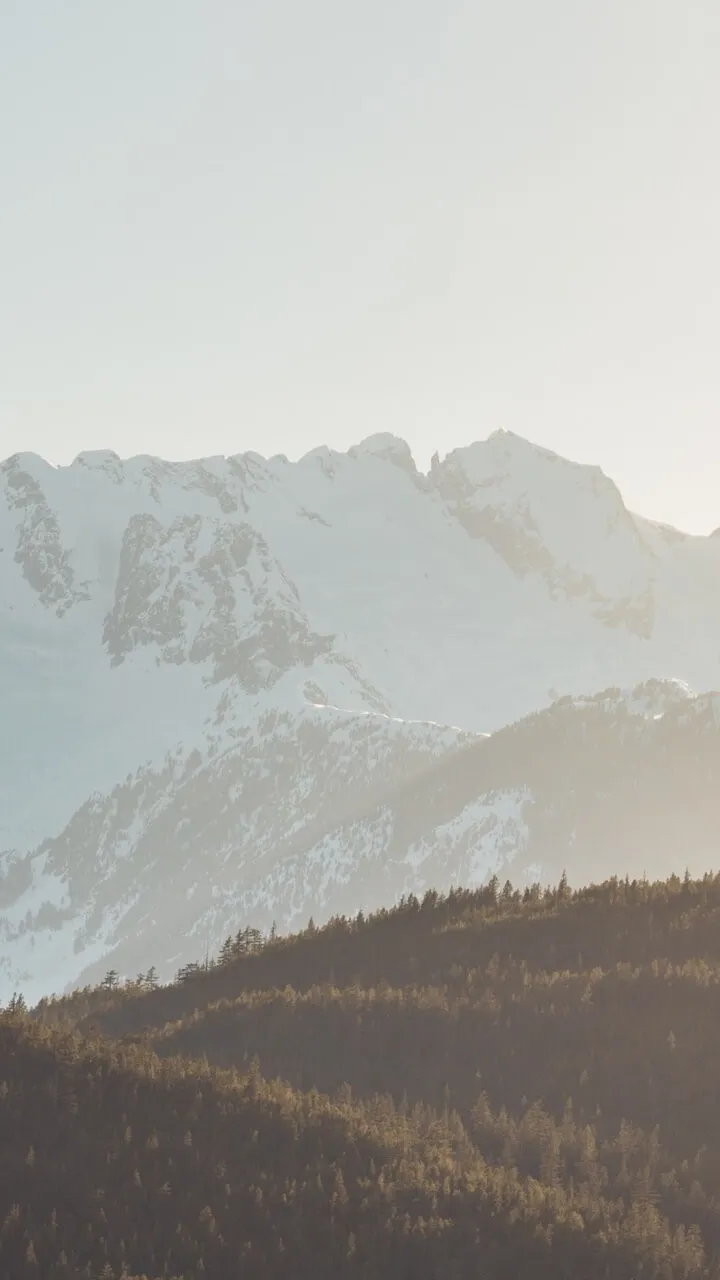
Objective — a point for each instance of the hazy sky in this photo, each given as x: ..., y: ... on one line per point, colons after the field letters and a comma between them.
x: 233, y: 225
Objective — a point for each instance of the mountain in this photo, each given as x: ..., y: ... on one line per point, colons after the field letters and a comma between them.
x: 229, y: 688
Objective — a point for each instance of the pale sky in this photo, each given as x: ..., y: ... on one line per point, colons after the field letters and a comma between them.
x: 234, y: 224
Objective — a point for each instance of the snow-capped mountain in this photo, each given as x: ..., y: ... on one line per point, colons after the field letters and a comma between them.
x: 177, y: 640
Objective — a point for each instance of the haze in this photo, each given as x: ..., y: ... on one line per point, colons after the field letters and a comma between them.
x: 272, y: 226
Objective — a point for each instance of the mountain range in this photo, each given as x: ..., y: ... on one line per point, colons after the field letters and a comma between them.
x: 238, y: 690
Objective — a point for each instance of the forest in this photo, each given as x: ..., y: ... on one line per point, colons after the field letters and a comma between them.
x: 498, y: 1083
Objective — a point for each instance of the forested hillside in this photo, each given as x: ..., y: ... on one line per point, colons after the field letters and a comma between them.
x: 496, y: 1083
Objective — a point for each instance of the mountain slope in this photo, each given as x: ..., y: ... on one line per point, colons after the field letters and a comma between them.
x: 326, y: 813
x: 177, y: 638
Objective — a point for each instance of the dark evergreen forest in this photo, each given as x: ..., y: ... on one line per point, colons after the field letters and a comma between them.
x: 494, y: 1083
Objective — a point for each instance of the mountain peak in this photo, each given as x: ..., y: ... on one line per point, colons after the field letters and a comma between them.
x: 514, y: 445
x: 486, y: 458
x: 383, y: 444
x: 545, y: 516
x: 96, y: 458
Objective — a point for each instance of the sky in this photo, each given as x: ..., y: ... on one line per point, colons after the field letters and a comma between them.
x: 270, y: 226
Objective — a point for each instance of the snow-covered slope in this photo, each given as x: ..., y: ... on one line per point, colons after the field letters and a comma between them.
x: 176, y: 640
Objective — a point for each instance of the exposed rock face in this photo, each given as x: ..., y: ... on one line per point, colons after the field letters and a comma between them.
x: 224, y: 684
x: 39, y: 550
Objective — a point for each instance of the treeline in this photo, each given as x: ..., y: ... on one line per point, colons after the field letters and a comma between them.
x: 423, y: 942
